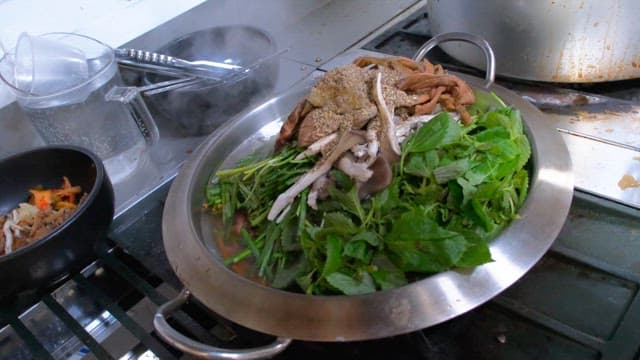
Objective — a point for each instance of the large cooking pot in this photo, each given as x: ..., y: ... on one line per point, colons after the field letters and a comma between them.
x: 572, y: 41
x: 198, y: 110
x: 189, y: 242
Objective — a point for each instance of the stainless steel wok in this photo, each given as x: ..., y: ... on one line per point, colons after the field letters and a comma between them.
x: 188, y: 239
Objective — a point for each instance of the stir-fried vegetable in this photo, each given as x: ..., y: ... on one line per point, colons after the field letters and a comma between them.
x: 31, y: 221
x: 453, y: 190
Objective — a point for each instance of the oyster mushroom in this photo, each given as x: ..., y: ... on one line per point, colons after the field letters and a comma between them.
x: 319, y: 190
x: 359, y: 171
x: 284, y: 200
x: 385, y: 128
x: 381, y: 178
x: 317, y: 146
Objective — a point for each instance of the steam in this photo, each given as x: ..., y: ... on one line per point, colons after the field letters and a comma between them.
x: 201, y: 110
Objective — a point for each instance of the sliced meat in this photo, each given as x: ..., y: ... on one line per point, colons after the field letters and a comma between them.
x: 345, y: 142
x: 429, y: 107
x: 322, y: 122
x: 418, y: 82
x: 342, y: 90
x: 290, y: 126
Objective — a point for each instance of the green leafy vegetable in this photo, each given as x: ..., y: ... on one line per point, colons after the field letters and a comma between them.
x: 454, y: 189
x: 350, y: 285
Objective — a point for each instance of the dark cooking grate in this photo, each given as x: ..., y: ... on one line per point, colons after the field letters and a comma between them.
x: 580, y: 302
x: 105, y: 313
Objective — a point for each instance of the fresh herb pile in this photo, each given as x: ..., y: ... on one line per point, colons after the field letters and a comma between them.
x: 454, y: 189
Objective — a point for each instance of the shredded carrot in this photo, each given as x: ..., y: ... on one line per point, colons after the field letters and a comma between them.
x: 66, y: 192
x: 42, y: 199
x: 65, y: 196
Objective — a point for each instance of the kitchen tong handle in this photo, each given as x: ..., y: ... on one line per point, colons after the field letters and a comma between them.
x: 146, y: 56
x: 204, y: 351
x: 476, y: 40
x: 170, y: 65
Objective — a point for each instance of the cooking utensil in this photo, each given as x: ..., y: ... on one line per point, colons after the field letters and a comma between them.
x: 128, y: 93
x: 131, y: 96
x: 170, y: 65
x: 72, y: 245
x: 77, y: 114
x: 200, y: 109
x: 44, y: 65
x: 188, y: 233
x: 571, y: 41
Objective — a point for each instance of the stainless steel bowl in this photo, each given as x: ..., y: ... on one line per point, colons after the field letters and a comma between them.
x: 188, y: 239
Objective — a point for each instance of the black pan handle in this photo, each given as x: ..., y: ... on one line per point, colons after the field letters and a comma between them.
x: 204, y: 351
x: 476, y: 40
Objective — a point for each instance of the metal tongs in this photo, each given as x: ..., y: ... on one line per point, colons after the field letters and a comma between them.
x: 190, y: 74
x: 202, y: 72
x: 172, y: 66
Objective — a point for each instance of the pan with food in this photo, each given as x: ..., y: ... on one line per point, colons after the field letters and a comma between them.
x: 57, y: 204
x: 44, y: 212
x: 384, y: 198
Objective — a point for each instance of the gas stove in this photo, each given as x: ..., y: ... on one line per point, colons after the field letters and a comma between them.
x: 581, y: 301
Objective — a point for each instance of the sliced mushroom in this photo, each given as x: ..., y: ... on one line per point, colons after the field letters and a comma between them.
x: 360, y: 151
x: 386, y: 117
x: 345, y: 142
x: 319, y: 190
x: 356, y: 170
x: 317, y: 146
x: 372, y: 147
x: 381, y: 178
x: 8, y: 236
x: 404, y: 128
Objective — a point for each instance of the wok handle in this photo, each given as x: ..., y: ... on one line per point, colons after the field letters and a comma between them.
x: 476, y: 40
x: 204, y: 351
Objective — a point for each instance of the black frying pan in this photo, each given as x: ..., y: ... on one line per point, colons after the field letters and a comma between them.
x: 71, y: 246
